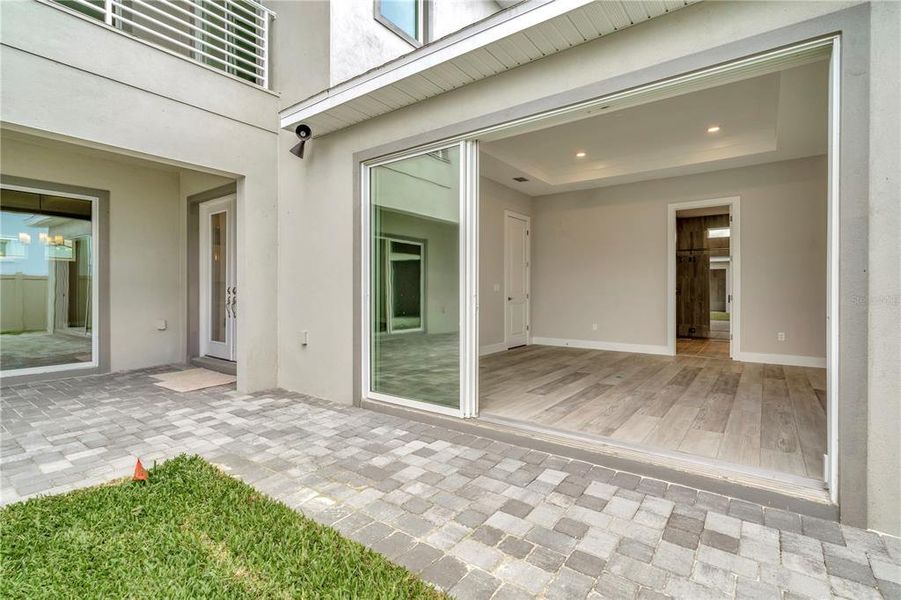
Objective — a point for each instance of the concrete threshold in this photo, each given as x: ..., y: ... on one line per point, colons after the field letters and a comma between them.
x: 215, y: 364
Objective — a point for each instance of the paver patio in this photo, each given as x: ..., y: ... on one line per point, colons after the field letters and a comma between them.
x: 477, y: 517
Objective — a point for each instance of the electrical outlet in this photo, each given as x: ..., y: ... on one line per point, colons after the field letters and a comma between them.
x: 594, y: 326
x: 780, y: 337
x: 497, y: 287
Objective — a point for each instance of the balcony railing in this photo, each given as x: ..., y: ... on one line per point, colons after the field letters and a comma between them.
x: 230, y: 35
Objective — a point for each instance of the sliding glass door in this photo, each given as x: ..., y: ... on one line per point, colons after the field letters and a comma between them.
x: 49, y: 281
x: 419, y: 306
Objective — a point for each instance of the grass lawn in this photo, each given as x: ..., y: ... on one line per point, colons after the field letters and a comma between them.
x: 190, y: 532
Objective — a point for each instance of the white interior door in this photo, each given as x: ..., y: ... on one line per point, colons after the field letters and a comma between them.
x: 218, y: 286
x: 516, y: 279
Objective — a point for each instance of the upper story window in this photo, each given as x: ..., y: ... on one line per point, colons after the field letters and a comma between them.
x: 406, y: 18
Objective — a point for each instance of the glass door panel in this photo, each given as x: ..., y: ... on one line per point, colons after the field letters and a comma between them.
x: 219, y: 292
x: 414, y: 278
x: 48, y: 282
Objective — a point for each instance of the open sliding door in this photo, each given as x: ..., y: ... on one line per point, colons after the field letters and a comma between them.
x: 419, y: 273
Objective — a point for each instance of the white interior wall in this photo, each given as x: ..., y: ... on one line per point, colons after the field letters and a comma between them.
x: 145, y: 238
x: 600, y: 257
x: 494, y: 199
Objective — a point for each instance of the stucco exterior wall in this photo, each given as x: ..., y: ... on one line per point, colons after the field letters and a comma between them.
x: 359, y: 43
x: 300, y: 48
x: 74, y: 78
x: 327, y: 208
x: 883, y: 299
x: 144, y: 245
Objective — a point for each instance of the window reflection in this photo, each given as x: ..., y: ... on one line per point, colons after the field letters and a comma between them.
x: 414, y: 278
x: 46, y: 286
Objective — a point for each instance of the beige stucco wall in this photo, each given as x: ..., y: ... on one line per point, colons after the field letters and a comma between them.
x: 144, y: 244
x: 74, y: 78
x: 359, y: 43
x: 300, y: 48
x: 883, y: 298
x: 494, y: 199
x: 600, y: 256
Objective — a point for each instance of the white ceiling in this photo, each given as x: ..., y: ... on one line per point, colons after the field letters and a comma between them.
x: 776, y: 116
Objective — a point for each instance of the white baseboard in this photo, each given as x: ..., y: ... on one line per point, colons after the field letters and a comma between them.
x: 492, y: 349
x: 788, y: 360
x: 597, y: 345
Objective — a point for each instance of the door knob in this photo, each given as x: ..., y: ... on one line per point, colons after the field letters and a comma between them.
x: 509, y: 298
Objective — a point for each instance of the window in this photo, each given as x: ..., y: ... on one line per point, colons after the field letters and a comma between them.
x: 47, y: 266
x: 406, y: 18
x: 718, y: 232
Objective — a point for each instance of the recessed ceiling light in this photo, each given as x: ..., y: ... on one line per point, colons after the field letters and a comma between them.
x: 580, y: 155
x: 713, y: 129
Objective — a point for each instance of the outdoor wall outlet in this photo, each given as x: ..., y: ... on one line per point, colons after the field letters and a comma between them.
x: 780, y: 336
x: 161, y: 325
x: 305, y: 338
x: 594, y: 326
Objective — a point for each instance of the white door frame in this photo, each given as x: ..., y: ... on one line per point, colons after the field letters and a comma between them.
x: 468, y: 280
x: 225, y: 350
x: 528, y: 282
x: 96, y: 325
x: 733, y: 202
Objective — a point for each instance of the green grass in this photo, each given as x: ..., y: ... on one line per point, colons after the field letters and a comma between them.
x: 190, y: 532
x: 716, y: 315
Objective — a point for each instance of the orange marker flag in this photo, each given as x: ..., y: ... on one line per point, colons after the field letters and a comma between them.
x: 140, y: 472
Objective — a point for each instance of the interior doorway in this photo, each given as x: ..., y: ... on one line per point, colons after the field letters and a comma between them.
x: 218, y: 285
x: 703, y: 280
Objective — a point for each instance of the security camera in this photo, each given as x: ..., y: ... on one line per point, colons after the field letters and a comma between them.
x: 303, y: 133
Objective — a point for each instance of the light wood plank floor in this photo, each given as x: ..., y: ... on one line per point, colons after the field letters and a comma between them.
x: 709, y: 348
x: 755, y: 415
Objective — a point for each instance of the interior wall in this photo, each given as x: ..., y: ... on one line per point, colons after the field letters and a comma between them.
x: 494, y: 199
x: 144, y: 243
x: 600, y: 257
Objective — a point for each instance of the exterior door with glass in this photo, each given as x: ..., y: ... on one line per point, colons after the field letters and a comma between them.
x: 419, y: 280
x: 218, y: 285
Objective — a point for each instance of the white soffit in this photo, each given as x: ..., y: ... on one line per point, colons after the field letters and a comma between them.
x: 513, y: 37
